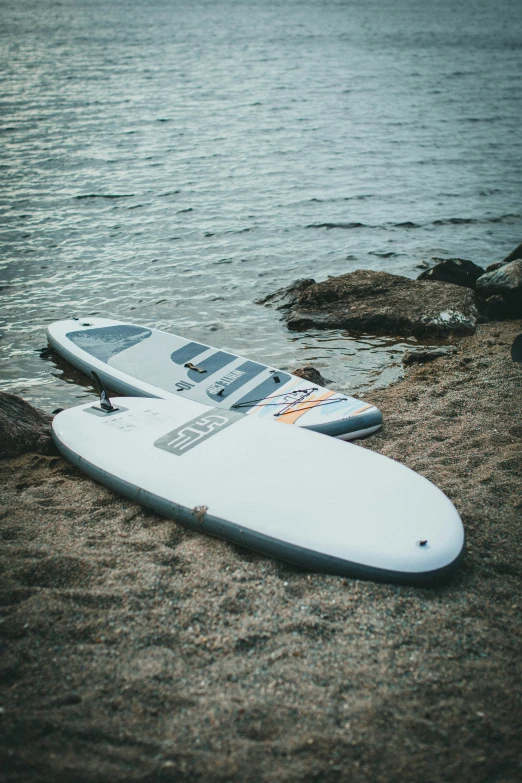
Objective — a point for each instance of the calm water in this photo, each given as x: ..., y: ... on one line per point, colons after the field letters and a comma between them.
x: 170, y: 162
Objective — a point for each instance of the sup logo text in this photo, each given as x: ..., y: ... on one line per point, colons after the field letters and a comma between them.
x: 184, y: 438
x: 226, y: 380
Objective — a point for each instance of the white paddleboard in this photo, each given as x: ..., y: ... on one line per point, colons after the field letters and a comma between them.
x: 143, y: 362
x: 283, y: 491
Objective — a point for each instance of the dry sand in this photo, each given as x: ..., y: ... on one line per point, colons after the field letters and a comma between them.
x: 135, y: 650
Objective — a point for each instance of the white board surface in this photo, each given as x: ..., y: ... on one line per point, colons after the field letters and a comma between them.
x: 284, y: 491
x: 139, y: 361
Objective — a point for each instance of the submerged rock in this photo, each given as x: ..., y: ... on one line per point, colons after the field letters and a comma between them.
x: 458, y: 271
x: 506, y: 281
x: 309, y: 373
x: 379, y: 302
x: 23, y: 428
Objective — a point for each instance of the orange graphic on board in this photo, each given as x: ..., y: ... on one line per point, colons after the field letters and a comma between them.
x: 292, y: 414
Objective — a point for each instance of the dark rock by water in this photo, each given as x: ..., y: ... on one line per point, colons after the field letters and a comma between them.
x: 506, y: 281
x: 309, y: 373
x: 379, y: 302
x: 498, y: 309
x: 428, y: 355
x: 458, y: 271
x: 286, y: 297
x: 513, y: 256
x: 495, y: 265
x: 23, y: 428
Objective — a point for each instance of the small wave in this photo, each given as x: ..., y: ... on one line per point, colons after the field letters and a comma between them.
x: 456, y: 221
x: 383, y: 255
x: 504, y: 219
x: 481, y: 119
x: 336, y: 225
x: 361, y: 197
x: 406, y: 224
x: 104, y: 195
x: 460, y: 74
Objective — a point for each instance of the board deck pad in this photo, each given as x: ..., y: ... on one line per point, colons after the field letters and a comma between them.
x: 283, y: 491
x: 139, y: 361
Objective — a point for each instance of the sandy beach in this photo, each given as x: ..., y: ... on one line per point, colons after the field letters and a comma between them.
x: 136, y: 650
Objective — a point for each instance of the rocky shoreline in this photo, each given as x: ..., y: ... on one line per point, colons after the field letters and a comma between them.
x: 136, y: 650
x: 447, y: 299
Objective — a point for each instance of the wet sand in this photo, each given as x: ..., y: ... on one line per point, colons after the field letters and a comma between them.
x: 136, y: 650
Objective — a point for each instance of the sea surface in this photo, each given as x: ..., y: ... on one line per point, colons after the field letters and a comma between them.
x: 170, y: 162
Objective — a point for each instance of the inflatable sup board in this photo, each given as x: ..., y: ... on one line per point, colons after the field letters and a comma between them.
x: 144, y: 362
x: 283, y: 491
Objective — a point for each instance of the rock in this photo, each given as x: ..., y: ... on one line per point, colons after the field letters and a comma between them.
x: 497, y: 308
x: 309, y: 373
x: 506, y: 281
x: 23, y: 428
x: 458, y: 271
x: 284, y: 298
x: 514, y: 256
x: 429, y: 355
x: 516, y: 349
x: 379, y: 302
